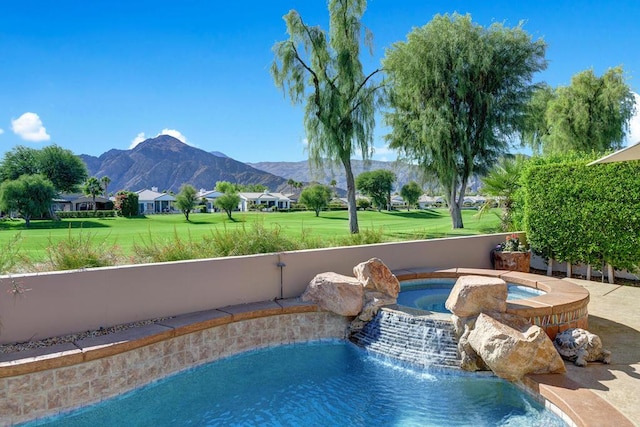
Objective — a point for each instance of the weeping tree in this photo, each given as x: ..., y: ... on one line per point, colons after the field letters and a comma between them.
x: 456, y: 94
x: 323, y: 72
x: 592, y: 114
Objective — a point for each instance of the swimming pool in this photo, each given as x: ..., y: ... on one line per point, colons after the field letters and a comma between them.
x: 431, y: 294
x: 329, y: 384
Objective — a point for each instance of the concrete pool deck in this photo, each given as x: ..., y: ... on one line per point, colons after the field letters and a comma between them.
x: 614, y: 316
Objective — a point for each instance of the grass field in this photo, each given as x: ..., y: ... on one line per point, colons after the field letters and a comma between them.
x: 124, y: 232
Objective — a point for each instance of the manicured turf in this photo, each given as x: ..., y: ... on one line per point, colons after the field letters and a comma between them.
x: 395, y: 226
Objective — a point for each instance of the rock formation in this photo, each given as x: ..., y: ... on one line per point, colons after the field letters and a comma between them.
x: 581, y: 346
x: 373, y: 287
x: 512, y: 347
x: 343, y: 295
x: 488, y: 337
x: 472, y: 295
x: 376, y: 276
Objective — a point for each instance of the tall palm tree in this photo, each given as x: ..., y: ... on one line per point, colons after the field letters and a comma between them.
x: 333, y: 184
x: 92, y: 188
x: 105, y: 181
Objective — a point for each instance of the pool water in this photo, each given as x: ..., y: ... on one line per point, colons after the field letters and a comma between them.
x: 431, y: 294
x: 317, y: 384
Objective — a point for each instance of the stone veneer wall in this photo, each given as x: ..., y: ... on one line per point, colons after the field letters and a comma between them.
x: 48, y: 392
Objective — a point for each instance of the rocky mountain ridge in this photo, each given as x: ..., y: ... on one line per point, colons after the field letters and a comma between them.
x: 167, y: 163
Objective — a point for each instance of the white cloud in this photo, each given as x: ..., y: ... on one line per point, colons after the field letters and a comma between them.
x: 384, y: 153
x: 29, y: 127
x: 1, y: 131
x: 171, y: 132
x: 633, y: 136
x: 174, y: 133
x: 137, y: 140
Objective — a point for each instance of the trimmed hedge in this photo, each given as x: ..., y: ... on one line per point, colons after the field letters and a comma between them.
x: 584, y: 214
x: 86, y: 214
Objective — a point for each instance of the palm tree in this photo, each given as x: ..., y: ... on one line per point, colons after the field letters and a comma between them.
x: 333, y: 184
x: 290, y: 183
x: 105, y: 181
x: 92, y: 188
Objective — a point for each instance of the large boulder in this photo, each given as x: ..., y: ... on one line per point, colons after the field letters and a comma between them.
x: 376, y: 276
x: 472, y: 295
x: 335, y: 292
x: 512, y: 347
x: 581, y: 346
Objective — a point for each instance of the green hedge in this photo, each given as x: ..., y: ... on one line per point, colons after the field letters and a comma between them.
x: 584, y: 214
x: 86, y: 214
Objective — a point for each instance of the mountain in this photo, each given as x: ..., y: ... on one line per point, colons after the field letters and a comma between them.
x: 306, y: 172
x: 167, y: 163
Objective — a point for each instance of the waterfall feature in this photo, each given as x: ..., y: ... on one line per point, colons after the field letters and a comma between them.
x: 411, y: 336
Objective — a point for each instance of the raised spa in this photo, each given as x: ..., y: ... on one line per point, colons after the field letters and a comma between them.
x: 431, y: 294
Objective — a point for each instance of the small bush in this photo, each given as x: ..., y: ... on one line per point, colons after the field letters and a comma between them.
x: 255, y: 240
x: 81, y: 250
x: 86, y: 214
x: 10, y: 254
x: 364, y: 237
x: 169, y: 249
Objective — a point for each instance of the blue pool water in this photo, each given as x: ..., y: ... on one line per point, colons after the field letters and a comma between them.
x: 431, y: 294
x: 317, y: 384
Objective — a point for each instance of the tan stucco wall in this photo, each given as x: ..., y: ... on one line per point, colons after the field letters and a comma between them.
x: 59, y: 303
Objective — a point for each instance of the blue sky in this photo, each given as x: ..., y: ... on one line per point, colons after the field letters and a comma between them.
x: 95, y: 75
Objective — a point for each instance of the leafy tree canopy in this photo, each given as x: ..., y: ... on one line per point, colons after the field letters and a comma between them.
x: 456, y: 94
x: 316, y: 197
x: 377, y: 185
x: 64, y: 169
x: 228, y: 202
x: 186, y: 199
x: 29, y: 195
x: 592, y: 114
x: 411, y: 192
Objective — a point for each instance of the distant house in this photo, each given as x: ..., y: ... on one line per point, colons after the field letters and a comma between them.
x: 210, y: 197
x: 426, y: 202
x: 151, y: 201
x: 80, y: 202
x: 264, y: 201
x: 397, y: 202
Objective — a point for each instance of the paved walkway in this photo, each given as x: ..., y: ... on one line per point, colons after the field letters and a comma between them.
x: 614, y: 315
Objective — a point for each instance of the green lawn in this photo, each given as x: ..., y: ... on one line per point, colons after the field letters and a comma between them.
x: 395, y: 226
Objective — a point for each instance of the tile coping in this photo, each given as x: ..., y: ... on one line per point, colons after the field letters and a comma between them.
x: 578, y: 406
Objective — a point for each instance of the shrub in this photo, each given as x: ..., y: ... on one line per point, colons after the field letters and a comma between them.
x: 81, y: 250
x: 10, y: 254
x: 154, y: 249
x: 126, y: 203
x: 86, y: 214
x: 584, y: 214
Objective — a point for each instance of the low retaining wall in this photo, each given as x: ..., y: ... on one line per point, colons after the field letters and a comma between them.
x: 51, y: 380
x: 37, y: 306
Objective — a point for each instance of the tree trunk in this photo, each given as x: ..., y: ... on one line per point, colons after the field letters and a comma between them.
x: 351, y: 197
x: 454, y: 206
x: 456, y: 215
x: 52, y: 214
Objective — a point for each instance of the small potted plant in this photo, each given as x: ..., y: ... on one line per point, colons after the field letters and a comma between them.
x: 512, y: 254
